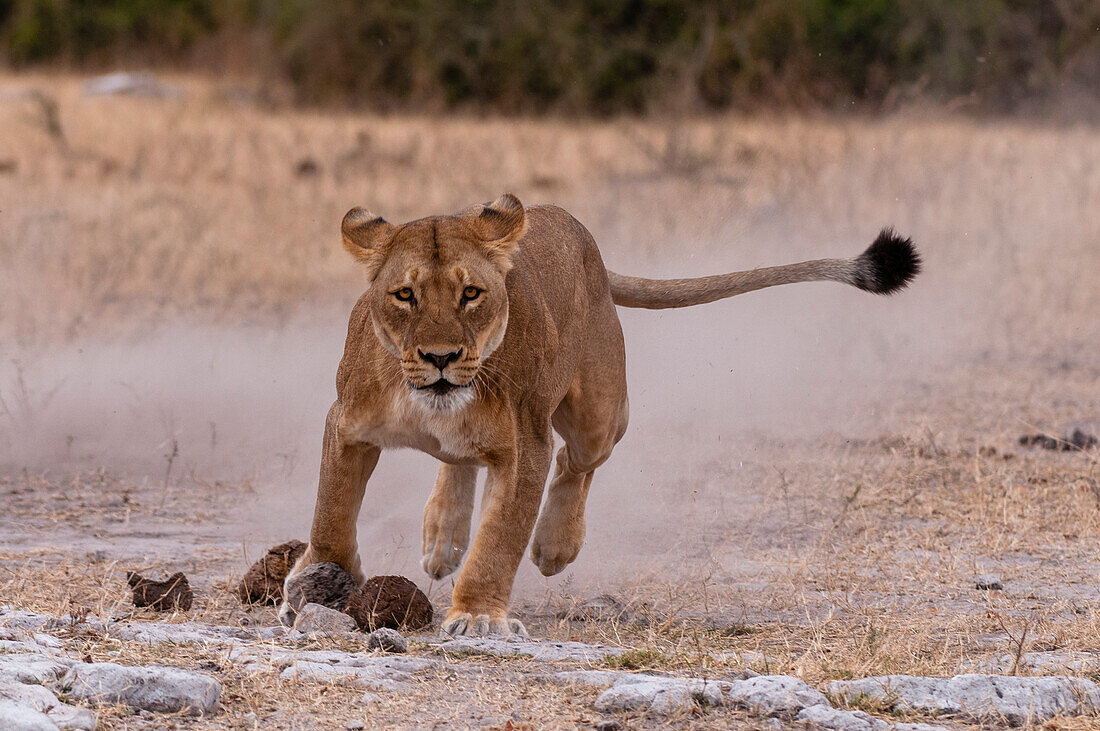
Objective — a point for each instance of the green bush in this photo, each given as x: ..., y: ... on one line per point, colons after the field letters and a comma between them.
x: 586, y: 56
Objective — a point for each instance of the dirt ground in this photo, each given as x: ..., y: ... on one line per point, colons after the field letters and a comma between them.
x: 811, y: 472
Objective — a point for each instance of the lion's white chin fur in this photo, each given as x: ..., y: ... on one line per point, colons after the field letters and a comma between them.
x: 454, y: 400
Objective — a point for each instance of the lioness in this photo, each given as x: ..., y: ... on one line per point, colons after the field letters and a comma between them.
x: 479, y: 334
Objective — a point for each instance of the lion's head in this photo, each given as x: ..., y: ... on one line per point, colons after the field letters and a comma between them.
x: 437, y: 297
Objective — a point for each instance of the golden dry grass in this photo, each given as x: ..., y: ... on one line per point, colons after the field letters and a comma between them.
x: 843, y: 546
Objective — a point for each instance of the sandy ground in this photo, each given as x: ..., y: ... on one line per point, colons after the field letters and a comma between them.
x: 810, y: 472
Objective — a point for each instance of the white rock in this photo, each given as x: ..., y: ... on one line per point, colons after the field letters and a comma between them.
x: 918, y: 727
x: 17, y: 619
x: 388, y: 673
x: 160, y: 633
x: 663, y: 696
x: 20, y: 717
x: 372, y: 678
x: 316, y: 618
x: 597, y: 678
x: 550, y: 651
x: 368, y: 698
x: 131, y: 84
x: 25, y: 648
x: 388, y: 640
x: 401, y: 663
x: 1017, y: 700
x: 32, y: 668
x: 150, y: 688
x: 47, y: 640
x: 831, y: 719
x: 42, y: 700
x: 775, y: 695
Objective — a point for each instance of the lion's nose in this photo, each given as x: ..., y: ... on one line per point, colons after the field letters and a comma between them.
x: 441, y: 360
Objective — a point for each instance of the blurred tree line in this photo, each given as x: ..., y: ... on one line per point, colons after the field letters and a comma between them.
x: 586, y: 56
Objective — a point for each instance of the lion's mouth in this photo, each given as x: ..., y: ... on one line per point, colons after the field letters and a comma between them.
x: 440, y: 387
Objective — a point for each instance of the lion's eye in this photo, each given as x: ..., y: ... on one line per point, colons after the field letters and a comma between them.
x: 470, y: 294
x: 404, y: 294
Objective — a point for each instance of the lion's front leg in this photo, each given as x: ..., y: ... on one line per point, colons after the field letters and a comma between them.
x: 345, y: 469
x: 479, y: 603
x: 447, y: 516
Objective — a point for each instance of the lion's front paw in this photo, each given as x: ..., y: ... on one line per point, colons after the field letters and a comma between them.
x: 472, y: 624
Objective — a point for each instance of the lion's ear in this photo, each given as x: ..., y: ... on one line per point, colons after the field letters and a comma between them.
x: 365, y: 237
x: 500, y: 226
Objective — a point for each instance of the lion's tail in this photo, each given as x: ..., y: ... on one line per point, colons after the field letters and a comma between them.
x: 889, y: 264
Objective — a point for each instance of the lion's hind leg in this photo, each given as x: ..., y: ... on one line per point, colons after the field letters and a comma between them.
x: 447, y: 515
x: 560, y: 531
x: 591, y: 420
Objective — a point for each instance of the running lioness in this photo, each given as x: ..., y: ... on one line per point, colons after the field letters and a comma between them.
x: 479, y: 335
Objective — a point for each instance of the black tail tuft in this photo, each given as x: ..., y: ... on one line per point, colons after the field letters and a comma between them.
x: 889, y: 264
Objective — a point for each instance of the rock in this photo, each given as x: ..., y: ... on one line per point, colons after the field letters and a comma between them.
x: 993, y: 698
x: 172, y: 594
x: 988, y: 582
x: 662, y: 696
x: 313, y: 618
x: 826, y: 717
x: 125, y: 83
x: 21, y: 717
x: 263, y: 583
x: 550, y: 651
x: 159, y: 633
x: 47, y: 641
x: 40, y: 699
x: 918, y: 727
x: 595, y: 678
x: 22, y: 642
x: 319, y: 583
x: 24, y: 648
x: 355, y: 725
x: 371, y: 677
x: 775, y: 695
x: 369, y: 697
x: 371, y: 672
x: 150, y: 688
x: 32, y: 668
x: 390, y: 601
x: 29, y: 621
x: 387, y: 640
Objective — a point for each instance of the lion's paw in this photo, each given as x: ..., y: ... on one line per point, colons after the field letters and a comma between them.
x: 446, y: 535
x: 441, y: 559
x: 553, y: 550
x: 468, y: 624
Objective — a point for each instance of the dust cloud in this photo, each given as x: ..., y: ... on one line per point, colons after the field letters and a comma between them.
x: 245, y: 408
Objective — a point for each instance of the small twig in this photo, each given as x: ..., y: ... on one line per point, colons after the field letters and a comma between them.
x: 171, y: 457
x: 1019, y: 643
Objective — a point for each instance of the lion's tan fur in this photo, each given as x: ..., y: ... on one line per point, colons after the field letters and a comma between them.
x: 539, y: 349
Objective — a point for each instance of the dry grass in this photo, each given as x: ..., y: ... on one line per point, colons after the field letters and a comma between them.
x: 203, y: 205
x: 836, y: 552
